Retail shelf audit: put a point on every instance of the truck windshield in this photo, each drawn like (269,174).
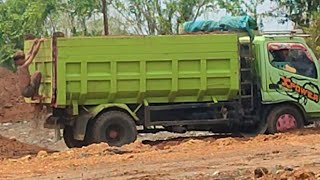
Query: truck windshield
(292,57)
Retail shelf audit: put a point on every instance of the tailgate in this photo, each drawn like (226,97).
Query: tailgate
(43,62)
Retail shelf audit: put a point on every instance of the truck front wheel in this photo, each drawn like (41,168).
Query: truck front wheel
(284,118)
(115,128)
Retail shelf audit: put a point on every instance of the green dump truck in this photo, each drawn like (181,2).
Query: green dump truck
(109,89)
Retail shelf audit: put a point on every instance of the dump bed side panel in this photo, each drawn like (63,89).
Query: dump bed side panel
(160,69)
(42,63)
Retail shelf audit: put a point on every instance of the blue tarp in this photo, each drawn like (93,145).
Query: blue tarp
(234,23)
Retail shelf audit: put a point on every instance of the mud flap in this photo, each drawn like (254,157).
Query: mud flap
(57,134)
(80,127)
(52,122)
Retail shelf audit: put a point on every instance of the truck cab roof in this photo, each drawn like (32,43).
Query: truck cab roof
(264,38)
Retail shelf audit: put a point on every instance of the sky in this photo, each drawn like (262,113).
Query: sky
(269,23)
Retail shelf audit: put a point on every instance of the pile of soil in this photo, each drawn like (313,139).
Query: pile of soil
(12,105)
(12,149)
(295,174)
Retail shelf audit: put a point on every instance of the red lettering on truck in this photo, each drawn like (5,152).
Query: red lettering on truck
(287,83)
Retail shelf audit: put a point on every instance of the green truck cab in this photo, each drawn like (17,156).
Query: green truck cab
(109,89)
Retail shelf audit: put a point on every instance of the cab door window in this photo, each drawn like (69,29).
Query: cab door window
(292,57)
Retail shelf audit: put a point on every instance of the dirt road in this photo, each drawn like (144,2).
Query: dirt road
(293,154)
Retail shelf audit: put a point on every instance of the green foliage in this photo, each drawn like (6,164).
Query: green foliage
(79,11)
(158,16)
(40,18)
(247,7)
(301,11)
(314,31)
(6,60)
(17,18)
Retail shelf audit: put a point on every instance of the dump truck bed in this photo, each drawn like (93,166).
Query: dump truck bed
(129,70)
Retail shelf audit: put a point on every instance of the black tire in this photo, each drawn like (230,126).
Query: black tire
(277,112)
(69,140)
(119,123)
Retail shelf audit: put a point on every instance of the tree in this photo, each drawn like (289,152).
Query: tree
(17,18)
(314,31)
(301,11)
(105,17)
(20,17)
(158,16)
(78,12)
(115,26)
(250,7)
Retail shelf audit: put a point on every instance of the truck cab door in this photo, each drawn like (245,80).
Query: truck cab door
(292,75)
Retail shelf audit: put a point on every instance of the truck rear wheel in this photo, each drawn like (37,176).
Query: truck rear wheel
(284,118)
(115,128)
(69,140)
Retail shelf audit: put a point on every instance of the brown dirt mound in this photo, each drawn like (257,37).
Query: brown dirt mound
(12,106)
(11,148)
(289,174)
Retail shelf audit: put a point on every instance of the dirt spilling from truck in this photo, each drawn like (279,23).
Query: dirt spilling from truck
(12,106)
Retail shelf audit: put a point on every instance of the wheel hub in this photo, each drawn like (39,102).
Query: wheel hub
(113,134)
(286,122)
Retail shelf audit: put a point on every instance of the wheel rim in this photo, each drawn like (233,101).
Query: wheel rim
(286,122)
(114,133)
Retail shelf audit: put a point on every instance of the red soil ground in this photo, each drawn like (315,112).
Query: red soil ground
(12,106)
(11,148)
